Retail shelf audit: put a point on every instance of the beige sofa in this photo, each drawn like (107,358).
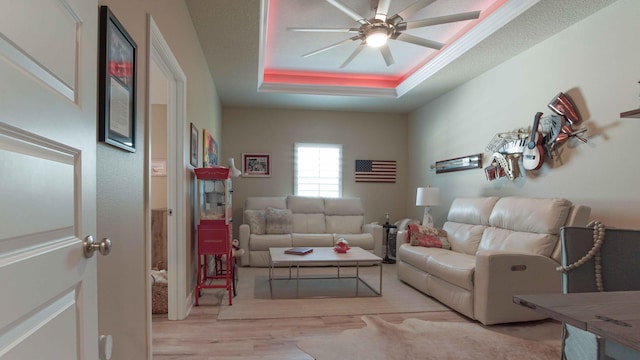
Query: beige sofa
(298,221)
(500,247)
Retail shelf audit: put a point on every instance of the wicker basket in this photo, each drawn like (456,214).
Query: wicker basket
(159,299)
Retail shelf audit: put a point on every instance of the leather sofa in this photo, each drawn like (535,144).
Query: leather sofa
(500,247)
(298,221)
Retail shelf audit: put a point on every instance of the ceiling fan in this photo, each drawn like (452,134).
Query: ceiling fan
(376,31)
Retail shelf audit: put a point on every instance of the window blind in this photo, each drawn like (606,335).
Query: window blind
(318,170)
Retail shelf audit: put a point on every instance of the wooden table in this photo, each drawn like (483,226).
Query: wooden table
(612,315)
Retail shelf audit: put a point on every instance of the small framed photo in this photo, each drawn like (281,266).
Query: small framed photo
(116,84)
(256,165)
(193,146)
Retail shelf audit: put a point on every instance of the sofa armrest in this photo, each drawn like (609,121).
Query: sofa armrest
(244,234)
(401,238)
(376,231)
(499,275)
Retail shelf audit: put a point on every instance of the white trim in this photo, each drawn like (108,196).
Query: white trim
(161,54)
(326,89)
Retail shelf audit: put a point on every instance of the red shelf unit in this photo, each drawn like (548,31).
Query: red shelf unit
(215,231)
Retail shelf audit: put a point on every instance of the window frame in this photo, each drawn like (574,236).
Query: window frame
(337,147)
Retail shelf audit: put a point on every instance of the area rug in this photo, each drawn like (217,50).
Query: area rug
(419,339)
(254,301)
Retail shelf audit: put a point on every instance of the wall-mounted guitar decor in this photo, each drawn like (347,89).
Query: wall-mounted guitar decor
(546,135)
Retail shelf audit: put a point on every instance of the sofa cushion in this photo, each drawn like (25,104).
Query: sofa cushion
(344,224)
(256,220)
(305,204)
(534,215)
(474,211)
(464,238)
(312,240)
(452,267)
(309,223)
(262,203)
(264,242)
(364,240)
(427,236)
(343,206)
(518,241)
(417,256)
(279,221)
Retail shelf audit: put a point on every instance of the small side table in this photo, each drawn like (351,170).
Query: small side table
(387,227)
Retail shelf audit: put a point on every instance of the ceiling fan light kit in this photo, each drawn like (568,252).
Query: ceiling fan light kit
(377,37)
(376,31)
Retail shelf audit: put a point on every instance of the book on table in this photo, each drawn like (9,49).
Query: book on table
(298,250)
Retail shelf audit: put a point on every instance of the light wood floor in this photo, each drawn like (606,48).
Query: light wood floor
(201,336)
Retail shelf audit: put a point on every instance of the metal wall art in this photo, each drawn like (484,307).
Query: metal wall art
(529,149)
(459,163)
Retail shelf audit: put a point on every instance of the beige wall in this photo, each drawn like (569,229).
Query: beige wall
(122,202)
(365,136)
(596,62)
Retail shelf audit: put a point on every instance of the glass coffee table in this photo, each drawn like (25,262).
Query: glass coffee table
(322,256)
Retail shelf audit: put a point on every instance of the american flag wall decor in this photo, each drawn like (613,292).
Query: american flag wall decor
(383,171)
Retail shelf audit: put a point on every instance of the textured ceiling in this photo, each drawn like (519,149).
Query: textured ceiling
(230,33)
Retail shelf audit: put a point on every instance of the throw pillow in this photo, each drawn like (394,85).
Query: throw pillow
(427,236)
(256,220)
(279,221)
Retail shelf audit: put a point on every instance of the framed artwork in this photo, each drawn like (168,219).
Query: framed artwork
(116,84)
(193,146)
(256,165)
(210,150)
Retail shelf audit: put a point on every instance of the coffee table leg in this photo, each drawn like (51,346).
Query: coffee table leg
(380,280)
(271,279)
(357,277)
(297,280)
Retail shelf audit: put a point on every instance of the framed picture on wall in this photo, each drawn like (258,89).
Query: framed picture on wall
(116,84)
(210,149)
(256,165)
(193,146)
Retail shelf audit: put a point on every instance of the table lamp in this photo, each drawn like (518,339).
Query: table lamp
(427,197)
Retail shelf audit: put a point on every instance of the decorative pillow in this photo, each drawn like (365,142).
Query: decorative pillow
(256,220)
(279,221)
(427,236)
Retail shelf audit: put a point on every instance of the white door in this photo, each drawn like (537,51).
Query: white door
(48,301)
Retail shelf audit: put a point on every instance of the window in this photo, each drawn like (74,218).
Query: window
(318,170)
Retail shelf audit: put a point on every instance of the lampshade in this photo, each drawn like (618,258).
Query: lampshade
(234,170)
(428,196)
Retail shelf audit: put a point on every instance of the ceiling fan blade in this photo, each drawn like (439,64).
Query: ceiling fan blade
(386,54)
(441,20)
(382,10)
(332,30)
(348,11)
(330,46)
(353,55)
(410,10)
(419,41)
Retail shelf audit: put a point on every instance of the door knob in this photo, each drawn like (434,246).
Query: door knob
(90,246)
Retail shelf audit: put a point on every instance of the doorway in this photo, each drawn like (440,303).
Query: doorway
(168,80)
